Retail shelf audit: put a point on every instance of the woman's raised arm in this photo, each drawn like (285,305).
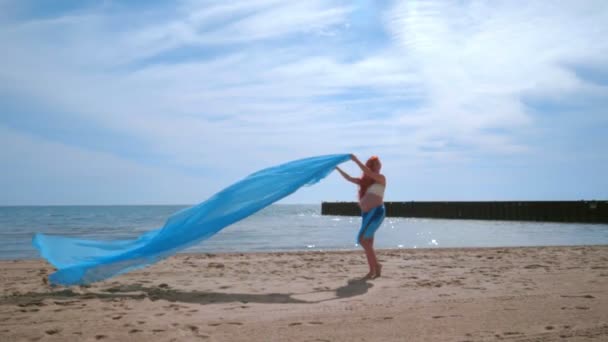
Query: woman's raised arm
(348,177)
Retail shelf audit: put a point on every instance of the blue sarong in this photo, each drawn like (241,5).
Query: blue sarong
(81,261)
(370,222)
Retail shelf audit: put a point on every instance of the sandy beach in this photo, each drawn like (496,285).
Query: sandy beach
(475,294)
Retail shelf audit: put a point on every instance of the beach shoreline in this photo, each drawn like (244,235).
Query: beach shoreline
(426,294)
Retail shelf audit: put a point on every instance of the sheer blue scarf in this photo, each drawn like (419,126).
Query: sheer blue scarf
(81,261)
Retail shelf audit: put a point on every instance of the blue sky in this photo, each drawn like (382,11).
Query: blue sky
(153,102)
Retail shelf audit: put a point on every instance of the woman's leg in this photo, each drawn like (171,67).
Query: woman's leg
(371,222)
(378,266)
(373,259)
(367,245)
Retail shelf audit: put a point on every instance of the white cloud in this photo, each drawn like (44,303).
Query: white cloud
(446,88)
(38,171)
(477,59)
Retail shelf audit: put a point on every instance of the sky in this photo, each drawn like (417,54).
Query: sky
(168,102)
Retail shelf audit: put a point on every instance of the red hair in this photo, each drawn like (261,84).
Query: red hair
(366,181)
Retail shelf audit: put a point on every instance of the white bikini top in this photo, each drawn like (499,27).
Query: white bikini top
(376,189)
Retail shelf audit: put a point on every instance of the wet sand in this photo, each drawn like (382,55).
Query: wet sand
(473,294)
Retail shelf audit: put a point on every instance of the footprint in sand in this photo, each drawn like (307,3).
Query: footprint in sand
(100,337)
(133,331)
(31,303)
(52,331)
(294,324)
(534,266)
(584,296)
(315,322)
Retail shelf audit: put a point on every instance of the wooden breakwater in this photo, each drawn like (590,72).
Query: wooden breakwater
(554,211)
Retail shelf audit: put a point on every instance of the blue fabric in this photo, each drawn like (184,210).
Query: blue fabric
(81,261)
(370,222)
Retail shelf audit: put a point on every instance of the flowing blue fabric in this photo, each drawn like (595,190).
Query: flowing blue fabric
(81,261)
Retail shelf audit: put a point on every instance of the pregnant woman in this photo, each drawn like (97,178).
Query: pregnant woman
(371,201)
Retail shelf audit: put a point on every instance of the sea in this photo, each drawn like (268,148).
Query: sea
(282,227)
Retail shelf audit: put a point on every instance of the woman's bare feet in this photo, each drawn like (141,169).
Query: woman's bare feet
(369,275)
(378,272)
(373,274)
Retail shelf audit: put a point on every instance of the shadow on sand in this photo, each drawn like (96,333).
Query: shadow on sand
(354,287)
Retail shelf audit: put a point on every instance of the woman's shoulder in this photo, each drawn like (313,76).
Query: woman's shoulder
(382,178)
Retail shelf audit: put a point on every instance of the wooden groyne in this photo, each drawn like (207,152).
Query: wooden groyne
(554,211)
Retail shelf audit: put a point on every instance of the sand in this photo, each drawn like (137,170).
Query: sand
(476,294)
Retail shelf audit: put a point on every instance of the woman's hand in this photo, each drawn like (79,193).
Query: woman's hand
(367,171)
(357,161)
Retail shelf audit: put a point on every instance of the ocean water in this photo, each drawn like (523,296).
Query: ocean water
(283,228)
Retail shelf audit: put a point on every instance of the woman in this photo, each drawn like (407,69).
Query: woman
(371,201)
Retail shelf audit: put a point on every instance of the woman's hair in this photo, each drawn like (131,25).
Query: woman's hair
(367,181)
